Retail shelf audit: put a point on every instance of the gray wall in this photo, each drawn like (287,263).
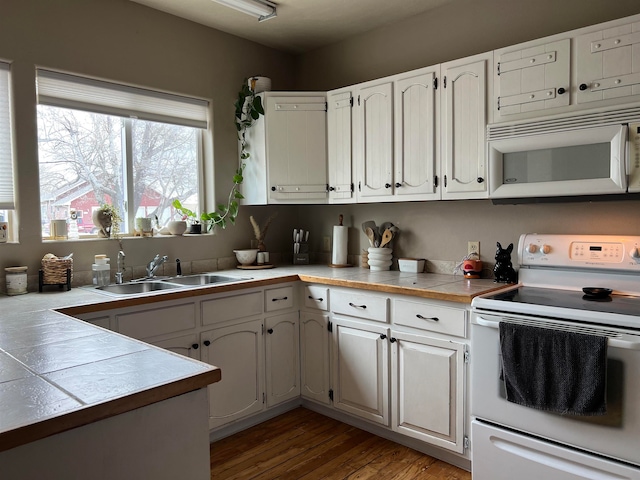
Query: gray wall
(127,42)
(440,230)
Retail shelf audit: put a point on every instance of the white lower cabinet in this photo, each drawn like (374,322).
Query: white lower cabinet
(427,389)
(238,351)
(361,369)
(314,356)
(282,358)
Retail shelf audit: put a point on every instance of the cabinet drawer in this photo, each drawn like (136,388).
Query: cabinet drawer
(157,321)
(316,297)
(355,304)
(278,298)
(229,308)
(435,318)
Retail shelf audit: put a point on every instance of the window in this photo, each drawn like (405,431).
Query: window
(7,202)
(107,143)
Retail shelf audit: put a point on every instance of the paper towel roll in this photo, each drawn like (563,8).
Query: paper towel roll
(339,254)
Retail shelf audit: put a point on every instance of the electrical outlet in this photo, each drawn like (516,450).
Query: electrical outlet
(326,244)
(473,247)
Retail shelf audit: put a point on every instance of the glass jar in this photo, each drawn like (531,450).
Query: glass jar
(101,274)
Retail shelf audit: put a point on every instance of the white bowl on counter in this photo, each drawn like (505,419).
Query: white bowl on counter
(246,257)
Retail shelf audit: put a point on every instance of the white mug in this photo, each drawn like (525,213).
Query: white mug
(4,232)
(58,229)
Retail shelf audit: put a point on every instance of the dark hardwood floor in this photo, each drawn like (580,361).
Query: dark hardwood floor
(302,444)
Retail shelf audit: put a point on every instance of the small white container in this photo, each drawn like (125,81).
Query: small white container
(16,278)
(411,265)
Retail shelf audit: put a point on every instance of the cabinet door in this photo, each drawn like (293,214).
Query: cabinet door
(532,79)
(296,149)
(374,142)
(428,389)
(314,356)
(283,362)
(186,345)
(238,352)
(416,162)
(608,65)
(339,144)
(361,370)
(464,119)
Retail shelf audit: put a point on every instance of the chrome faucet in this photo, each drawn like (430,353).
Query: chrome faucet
(155,264)
(120,271)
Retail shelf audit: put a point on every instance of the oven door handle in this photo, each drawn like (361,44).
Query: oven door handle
(629,342)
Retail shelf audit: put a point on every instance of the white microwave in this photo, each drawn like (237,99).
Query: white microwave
(565,157)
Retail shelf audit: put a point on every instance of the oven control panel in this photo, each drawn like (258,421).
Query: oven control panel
(610,252)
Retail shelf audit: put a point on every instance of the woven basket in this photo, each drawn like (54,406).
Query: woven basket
(55,270)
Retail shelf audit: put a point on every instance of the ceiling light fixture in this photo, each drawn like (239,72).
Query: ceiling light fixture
(263,9)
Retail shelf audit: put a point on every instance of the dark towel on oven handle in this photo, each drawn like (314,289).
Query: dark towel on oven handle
(554,370)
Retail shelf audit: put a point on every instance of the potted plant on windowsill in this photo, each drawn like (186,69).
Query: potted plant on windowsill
(107,219)
(225,212)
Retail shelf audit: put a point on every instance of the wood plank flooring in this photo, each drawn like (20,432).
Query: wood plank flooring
(302,444)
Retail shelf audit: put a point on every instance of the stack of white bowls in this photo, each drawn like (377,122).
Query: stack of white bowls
(380,258)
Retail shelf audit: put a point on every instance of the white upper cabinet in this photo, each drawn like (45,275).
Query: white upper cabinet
(608,65)
(288,148)
(531,79)
(374,141)
(416,133)
(339,146)
(593,68)
(464,120)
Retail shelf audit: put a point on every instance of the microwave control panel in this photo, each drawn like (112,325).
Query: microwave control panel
(634,157)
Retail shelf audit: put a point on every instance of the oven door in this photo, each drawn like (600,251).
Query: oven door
(614,435)
(586,161)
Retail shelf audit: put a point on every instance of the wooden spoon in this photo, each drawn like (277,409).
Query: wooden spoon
(386,237)
(370,235)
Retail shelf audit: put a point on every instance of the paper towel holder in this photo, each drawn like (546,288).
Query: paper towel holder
(339,265)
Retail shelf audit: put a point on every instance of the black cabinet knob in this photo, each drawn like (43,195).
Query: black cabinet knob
(195,346)
(207,343)
(387,185)
(332,189)
(270,331)
(273,189)
(561,90)
(583,86)
(392,340)
(398,184)
(480,179)
(382,336)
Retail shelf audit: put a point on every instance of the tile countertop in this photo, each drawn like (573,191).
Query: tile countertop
(58,373)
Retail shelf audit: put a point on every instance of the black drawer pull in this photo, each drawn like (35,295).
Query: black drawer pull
(435,319)
(278,299)
(318,299)
(393,340)
(357,306)
(270,331)
(382,336)
(195,346)
(207,343)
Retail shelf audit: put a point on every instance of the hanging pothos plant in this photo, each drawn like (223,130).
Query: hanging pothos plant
(248,109)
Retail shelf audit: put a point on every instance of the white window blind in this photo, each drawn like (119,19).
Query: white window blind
(81,93)
(6,157)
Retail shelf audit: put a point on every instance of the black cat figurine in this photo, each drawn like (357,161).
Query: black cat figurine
(503,271)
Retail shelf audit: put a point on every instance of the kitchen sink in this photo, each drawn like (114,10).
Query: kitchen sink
(203,279)
(137,287)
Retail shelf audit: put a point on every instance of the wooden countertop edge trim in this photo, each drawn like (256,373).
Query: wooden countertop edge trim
(93,413)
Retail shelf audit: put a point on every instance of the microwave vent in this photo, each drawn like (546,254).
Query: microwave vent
(574,122)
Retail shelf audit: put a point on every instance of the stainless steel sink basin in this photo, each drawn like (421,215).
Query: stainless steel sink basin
(203,279)
(137,287)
